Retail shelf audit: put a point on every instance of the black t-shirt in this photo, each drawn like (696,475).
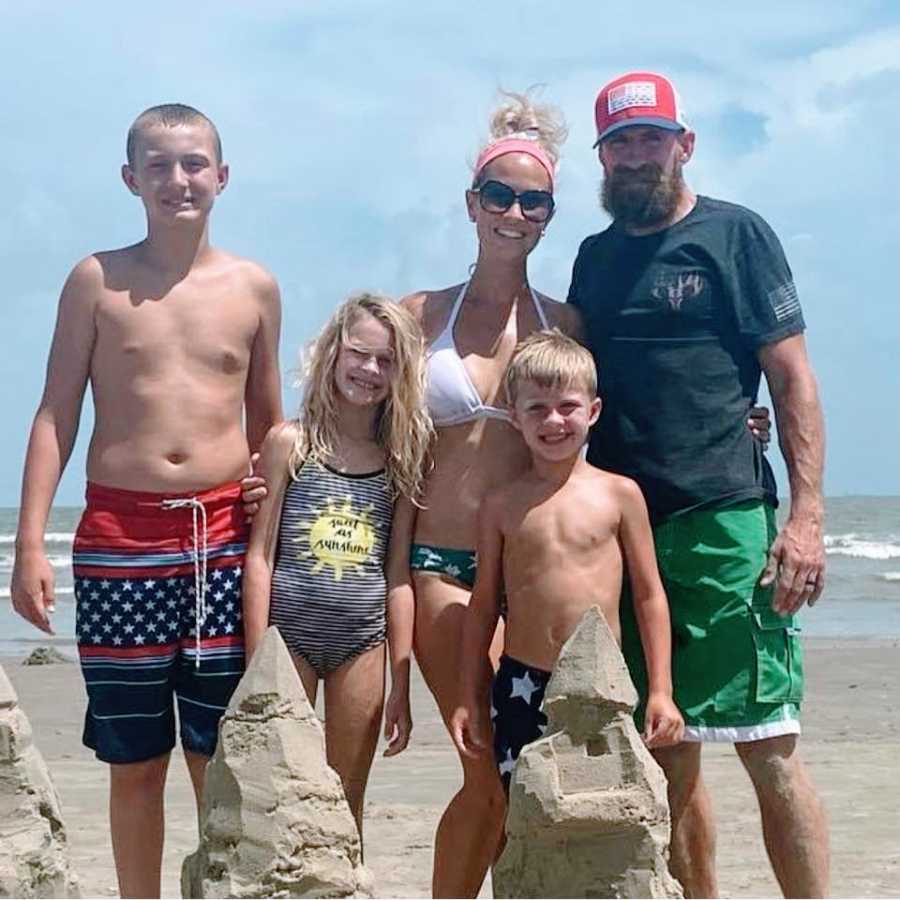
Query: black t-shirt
(674,320)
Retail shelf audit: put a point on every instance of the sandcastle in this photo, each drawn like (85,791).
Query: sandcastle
(34,856)
(274,821)
(588,814)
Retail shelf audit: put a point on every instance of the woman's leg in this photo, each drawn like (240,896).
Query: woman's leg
(470,830)
(354,698)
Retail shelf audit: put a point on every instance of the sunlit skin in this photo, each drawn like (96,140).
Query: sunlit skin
(177,339)
(498,312)
(794,823)
(553,541)
(469,459)
(365,363)
(354,692)
(639,144)
(176,174)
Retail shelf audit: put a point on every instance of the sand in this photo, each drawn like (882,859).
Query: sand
(851,741)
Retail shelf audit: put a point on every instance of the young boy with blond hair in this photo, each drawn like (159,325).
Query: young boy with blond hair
(556,541)
(177,340)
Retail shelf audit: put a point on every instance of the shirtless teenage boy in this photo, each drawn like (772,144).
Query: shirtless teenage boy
(176,339)
(555,541)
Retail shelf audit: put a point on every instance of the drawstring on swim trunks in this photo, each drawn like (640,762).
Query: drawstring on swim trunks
(200,558)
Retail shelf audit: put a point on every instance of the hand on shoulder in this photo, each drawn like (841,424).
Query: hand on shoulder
(563,316)
(274,453)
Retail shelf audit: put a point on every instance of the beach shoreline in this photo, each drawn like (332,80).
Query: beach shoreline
(851,742)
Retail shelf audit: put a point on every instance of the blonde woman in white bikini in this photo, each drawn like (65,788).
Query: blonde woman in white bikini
(472,329)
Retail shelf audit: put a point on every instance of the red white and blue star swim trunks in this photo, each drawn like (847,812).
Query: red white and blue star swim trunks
(158,614)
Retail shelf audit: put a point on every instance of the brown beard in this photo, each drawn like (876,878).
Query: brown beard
(642,197)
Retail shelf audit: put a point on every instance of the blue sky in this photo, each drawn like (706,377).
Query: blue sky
(350,128)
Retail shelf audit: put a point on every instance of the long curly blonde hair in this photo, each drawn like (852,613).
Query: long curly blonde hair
(404,430)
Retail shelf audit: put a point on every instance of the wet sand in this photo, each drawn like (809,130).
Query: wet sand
(851,741)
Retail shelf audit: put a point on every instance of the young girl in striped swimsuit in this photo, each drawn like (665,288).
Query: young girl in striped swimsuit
(328,559)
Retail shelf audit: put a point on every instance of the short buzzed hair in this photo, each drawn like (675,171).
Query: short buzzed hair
(551,359)
(170,115)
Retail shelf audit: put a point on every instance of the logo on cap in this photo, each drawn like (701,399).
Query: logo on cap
(632,93)
(638,98)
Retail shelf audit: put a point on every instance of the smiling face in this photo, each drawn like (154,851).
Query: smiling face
(509,234)
(642,164)
(555,420)
(365,362)
(176,172)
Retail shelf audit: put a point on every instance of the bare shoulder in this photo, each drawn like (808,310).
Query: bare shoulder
(279,442)
(89,272)
(624,490)
(431,309)
(563,316)
(282,435)
(87,281)
(255,277)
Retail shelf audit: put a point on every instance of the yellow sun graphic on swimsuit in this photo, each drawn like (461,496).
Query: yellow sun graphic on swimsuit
(339,537)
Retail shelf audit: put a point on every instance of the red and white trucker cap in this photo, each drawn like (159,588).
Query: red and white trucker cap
(638,98)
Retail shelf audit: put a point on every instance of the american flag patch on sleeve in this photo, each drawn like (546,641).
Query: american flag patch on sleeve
(784,300)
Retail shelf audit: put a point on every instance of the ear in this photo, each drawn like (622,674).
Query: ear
(596,407)
(222,177)
(686,141)
(514,419)
(471,204)
(128,178)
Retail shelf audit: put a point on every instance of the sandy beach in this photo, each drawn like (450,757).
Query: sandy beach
(851,740)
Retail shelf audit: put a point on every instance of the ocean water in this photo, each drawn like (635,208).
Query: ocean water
(861,599)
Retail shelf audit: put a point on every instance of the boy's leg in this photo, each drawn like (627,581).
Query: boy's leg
(794,822)
(354,698)
(136,824)
(692,849)
(196,765)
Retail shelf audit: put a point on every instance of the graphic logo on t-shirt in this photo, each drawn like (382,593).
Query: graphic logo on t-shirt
(339,537)
(674,289)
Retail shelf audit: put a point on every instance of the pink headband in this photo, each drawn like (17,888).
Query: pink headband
(515,145)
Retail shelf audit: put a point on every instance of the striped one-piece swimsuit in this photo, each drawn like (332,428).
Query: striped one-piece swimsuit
(329,586)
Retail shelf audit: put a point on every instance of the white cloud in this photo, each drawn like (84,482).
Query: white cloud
(350,126)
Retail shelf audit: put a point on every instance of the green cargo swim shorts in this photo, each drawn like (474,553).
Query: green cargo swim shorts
(737,665)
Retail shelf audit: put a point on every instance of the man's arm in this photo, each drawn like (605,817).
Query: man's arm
(663,722)
(468,727)
(567,318)
(263,392)
(52,438)
(797,556)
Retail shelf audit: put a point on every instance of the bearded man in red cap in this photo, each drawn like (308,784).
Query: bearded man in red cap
(686,302)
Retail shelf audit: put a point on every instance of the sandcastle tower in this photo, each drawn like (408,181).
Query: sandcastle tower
(588,814)
(34,855)
(274,820)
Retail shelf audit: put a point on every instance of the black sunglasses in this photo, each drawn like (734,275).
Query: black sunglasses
(497,197)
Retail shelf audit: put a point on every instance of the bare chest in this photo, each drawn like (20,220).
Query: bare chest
(209,330)
(577,527)
(486,346)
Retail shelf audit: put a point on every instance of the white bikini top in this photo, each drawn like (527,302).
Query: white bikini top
(451,397)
